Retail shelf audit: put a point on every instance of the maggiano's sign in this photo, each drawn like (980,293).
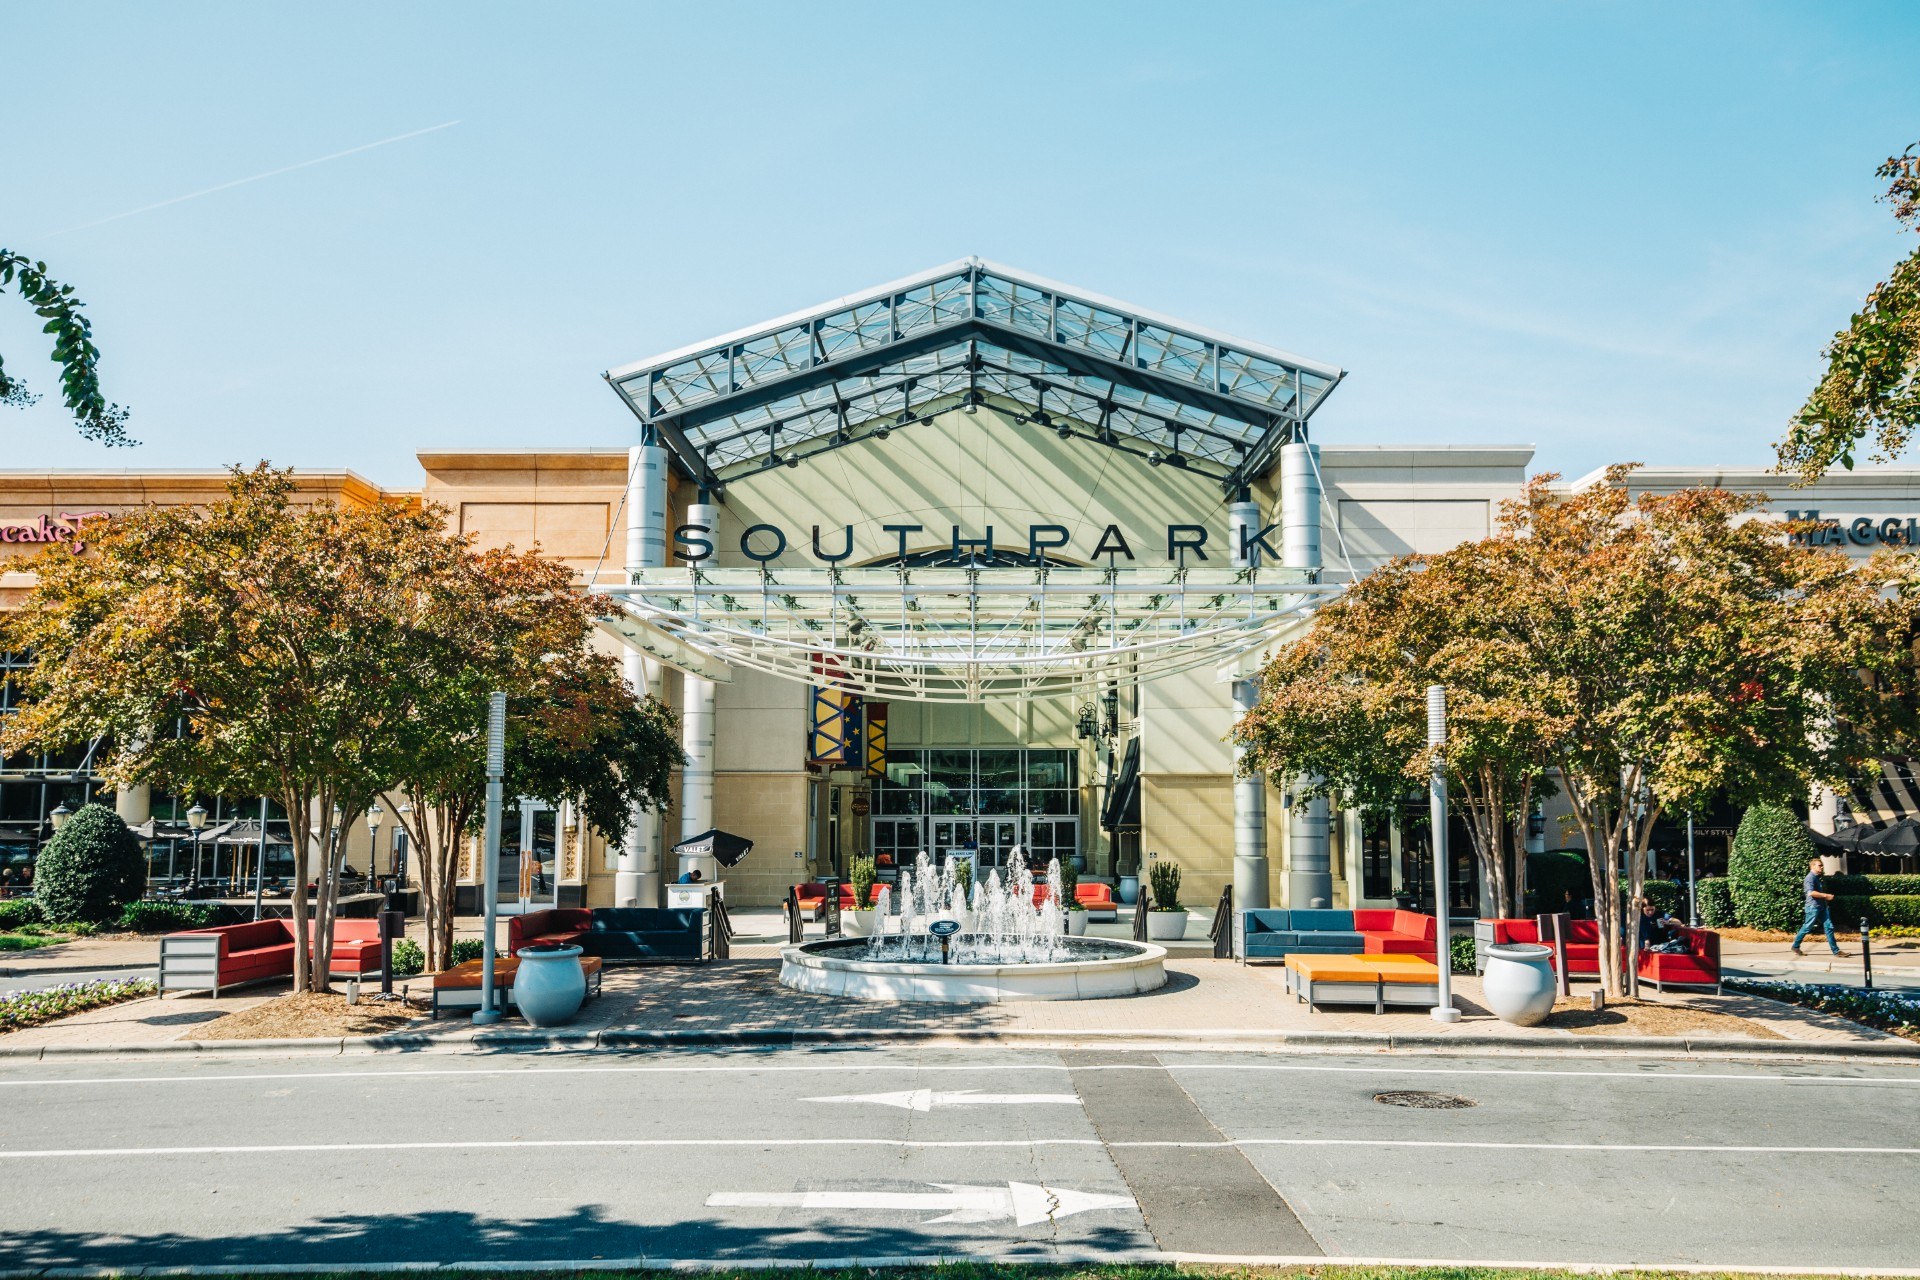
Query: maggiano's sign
(764,543)
(66,527)
(1861,531)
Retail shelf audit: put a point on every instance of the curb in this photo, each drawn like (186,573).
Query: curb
(616,1039)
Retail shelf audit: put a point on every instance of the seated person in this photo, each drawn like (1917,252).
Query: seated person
(691,877)
(1657,932)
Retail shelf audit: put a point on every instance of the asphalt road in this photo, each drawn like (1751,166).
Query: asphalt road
(870,1153)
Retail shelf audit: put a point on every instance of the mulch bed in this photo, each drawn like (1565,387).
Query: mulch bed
(305,1015)
(1651,1018)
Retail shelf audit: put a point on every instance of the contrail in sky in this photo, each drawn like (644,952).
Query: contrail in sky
(241,182)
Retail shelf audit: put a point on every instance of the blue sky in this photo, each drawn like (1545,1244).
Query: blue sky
(1617,232)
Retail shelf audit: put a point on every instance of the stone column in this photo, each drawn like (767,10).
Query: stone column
(134,804)
(1309,872)
(636,880)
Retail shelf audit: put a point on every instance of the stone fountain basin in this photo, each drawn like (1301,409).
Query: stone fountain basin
(835,968)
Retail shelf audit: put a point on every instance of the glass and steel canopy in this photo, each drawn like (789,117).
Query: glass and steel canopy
(959,634)
(972,333)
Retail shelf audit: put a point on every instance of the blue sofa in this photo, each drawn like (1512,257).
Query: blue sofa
(1272,934)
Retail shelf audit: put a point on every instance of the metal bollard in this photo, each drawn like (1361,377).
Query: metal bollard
(1866,952)
(393,924)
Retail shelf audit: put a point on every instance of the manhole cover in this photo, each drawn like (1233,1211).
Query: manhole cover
(1424,1100)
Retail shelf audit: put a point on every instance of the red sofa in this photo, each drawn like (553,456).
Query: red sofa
(562,925)
(1582,938)
(1097,898)
(813,898)
(1395,932)
(261,949)
(1699,967)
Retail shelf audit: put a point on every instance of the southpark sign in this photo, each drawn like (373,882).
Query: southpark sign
(66,527)
(764,543)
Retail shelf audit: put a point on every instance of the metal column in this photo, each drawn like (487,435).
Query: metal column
(636,881)
(697,734)
(1309,867)
(1250,866)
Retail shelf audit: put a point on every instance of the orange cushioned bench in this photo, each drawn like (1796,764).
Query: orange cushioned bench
(1379,980)
(459,987)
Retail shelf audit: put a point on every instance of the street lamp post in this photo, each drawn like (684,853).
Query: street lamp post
(490,870)
(1693,900)
(1443,1010)
(58,818)
(375,814)
(196,819)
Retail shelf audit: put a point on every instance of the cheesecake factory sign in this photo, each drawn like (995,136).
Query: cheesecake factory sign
(66,527)
(764,543)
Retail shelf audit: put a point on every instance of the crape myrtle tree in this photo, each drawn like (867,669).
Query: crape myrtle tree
(258,646)
(1649,653)
(1872,384)
(575,729)
(1344,710)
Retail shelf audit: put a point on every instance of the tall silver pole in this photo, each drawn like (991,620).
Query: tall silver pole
(1693,903)
(260,861)
(490,870)
(1437,801)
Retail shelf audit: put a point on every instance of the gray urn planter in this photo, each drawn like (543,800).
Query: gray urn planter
(1518,983)
(1128,890)
(549,986)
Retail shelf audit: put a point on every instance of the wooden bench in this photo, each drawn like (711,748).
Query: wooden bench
(459,987)
(1379,980)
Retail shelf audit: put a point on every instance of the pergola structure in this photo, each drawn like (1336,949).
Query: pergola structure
(962,336)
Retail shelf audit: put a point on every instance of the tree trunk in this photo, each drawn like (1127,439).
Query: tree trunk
(296,804)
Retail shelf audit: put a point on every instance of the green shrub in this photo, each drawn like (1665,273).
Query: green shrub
(166,917)
(1768,867)
(1715,895)
(465,949)
(860,872)
(1880,909)
(91,868)
(1460,948)
(1865,886)
(1164,880)
(963,876)
(17,913)
(408,958)
(1557,879)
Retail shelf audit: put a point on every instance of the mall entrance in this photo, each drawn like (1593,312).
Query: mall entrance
(991,801)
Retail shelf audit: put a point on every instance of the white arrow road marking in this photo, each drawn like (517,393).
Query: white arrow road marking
(928,1099)
(1025,1202)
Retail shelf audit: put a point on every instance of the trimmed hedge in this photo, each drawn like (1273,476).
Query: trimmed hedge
(1879,909)
(1460,949)
(1768,867)
(408,958)
(15,912)
(166,917)
(465,949)
(91,868)
(1866,886)
(1669,897)
(1715,895)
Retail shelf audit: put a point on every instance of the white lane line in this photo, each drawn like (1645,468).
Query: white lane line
(530,1144)
(894,1067)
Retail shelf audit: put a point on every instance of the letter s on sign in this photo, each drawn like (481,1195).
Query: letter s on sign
(690,544)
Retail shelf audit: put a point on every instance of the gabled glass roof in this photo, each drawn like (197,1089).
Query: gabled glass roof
(967,334)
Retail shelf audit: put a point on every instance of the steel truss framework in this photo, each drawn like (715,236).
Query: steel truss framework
(967,334)
(957,634)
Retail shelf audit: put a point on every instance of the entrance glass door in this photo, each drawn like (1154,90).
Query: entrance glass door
(528,879)
(1049,838)
(997,837)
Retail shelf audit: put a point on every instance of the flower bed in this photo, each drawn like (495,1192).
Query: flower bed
(1897,1012)
(30,1008)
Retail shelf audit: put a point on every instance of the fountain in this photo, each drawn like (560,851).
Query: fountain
(933,942)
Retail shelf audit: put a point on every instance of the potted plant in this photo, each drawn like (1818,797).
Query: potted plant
(858,923)
(1064,893)
(1167,922)
(1127,883)
(963,880)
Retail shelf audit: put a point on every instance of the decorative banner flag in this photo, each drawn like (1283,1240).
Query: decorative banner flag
(876,724)
(833,728)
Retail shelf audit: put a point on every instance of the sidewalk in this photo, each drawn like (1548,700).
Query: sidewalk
(1204,1002)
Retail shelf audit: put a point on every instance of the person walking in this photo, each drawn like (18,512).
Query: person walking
(1819,914)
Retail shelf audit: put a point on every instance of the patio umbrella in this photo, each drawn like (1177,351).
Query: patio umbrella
(723,848)
(1901,838)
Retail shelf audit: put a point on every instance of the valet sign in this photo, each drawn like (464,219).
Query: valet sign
(764,543)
